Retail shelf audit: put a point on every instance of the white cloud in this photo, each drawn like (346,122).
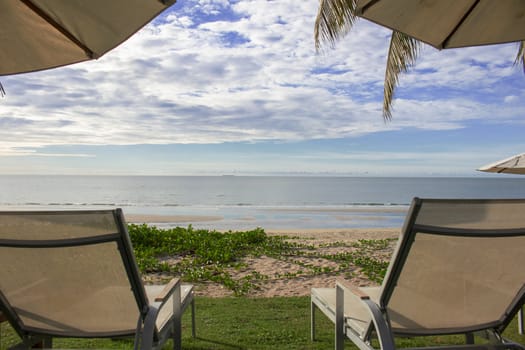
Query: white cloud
(215,71)
(511,99)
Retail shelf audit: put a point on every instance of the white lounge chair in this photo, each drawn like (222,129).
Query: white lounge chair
(459,268)
(74,274)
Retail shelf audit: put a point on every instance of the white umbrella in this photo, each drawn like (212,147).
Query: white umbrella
(512,165)
(42,34)
(450,23)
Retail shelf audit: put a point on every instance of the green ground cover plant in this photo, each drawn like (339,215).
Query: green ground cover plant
(207,255)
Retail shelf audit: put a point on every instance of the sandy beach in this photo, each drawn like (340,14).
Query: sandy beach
(277,285)
(285,277)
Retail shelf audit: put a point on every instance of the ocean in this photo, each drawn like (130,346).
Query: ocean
(246,202)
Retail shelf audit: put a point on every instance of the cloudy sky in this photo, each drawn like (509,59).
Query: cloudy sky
(236,87)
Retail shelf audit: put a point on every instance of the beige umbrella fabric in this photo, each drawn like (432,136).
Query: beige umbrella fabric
(512,165)
(42,34)
(450,23)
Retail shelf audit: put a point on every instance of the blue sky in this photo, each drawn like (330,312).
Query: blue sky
(236,87)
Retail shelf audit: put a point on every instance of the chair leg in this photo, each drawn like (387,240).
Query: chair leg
(177,339)
(469,338)
(42,343)
(177,320)
(521,325)
(339,319)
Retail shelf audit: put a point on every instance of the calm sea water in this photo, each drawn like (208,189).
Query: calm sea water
(243,202)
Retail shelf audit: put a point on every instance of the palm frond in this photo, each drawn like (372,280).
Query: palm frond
(334,20)
(402,54)
(2,91)
(520,57)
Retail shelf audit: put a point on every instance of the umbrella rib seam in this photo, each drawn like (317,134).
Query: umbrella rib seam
(444,44)
(58,27)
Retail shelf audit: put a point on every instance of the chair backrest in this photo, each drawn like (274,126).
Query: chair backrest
(459,267)
(69,273)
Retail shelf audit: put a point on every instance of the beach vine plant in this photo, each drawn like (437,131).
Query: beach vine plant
(198,255)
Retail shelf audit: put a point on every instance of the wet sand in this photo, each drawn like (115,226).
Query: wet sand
(164,219)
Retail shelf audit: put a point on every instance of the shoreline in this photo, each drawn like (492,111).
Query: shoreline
(327,233)
(166,219)
(276,221)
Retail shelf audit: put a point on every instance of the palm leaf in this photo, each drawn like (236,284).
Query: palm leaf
(402,54)
(520,57)
(334,20)
(2,91)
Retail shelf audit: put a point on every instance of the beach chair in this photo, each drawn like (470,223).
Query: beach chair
(458,269)
(74,274)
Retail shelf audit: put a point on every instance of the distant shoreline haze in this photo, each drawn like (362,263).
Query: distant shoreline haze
(244,202)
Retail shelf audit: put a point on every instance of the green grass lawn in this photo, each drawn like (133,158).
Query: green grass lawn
(247,323)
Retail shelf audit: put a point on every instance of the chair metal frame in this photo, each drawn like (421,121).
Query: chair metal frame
(147,336)
(380,325)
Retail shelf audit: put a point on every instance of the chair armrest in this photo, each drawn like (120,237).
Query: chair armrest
(381,323)
(172,291)
(168,290)
(341,283)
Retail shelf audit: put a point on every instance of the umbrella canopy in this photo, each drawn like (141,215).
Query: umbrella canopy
(42,34)
(450,23)
(512,165)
